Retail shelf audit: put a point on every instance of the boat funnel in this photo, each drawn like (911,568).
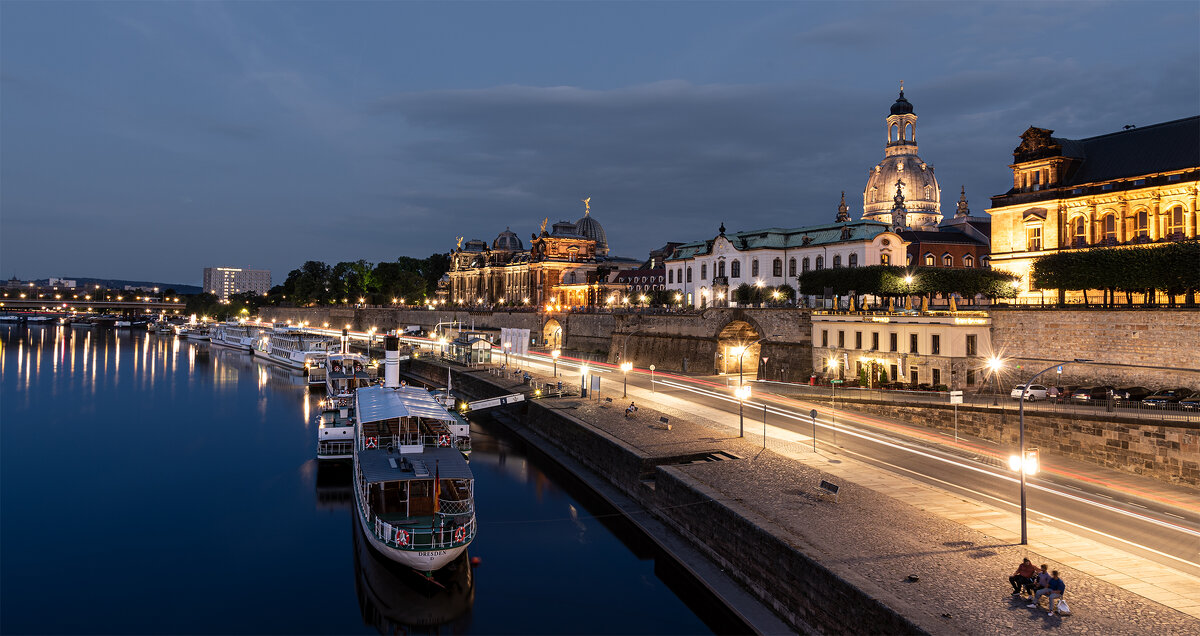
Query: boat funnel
(391,362)
(345,341)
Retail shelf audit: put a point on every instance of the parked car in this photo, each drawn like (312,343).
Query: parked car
(1036,392)
(1190,403)
(1166,397)
(1131,395)
(1090,394)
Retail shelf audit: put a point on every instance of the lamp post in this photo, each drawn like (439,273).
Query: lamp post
(832,364)
(507,346)
(743,394)
(583,375)
(1023,461)
(994,364)
(626,367)
(554,356)
(741,351)
(652,378)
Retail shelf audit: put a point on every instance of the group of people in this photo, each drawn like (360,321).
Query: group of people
(1038,583)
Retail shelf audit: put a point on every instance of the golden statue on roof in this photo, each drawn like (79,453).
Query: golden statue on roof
(587,205)
(543,227)
(460,240)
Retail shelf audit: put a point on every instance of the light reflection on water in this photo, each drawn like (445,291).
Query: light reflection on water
(145,492)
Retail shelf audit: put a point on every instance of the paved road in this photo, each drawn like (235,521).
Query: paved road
(1138,522)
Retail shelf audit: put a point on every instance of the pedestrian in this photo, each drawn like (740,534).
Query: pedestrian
(1023,577)
(1042,583)
(1053,591)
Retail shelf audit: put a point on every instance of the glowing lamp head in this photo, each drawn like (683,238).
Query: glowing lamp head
(737,351)
(626,367)
(743,392)
(554,354)
(908,280)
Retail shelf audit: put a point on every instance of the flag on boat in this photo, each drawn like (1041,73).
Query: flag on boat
(437,488)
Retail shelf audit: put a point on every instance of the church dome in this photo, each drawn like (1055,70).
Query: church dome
(591,228)
(507,241)
(902,107)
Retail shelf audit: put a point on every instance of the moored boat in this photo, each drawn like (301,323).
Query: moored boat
(413,489)
(291,347)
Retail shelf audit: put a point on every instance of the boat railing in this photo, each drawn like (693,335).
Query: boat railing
(339,447)
(455,507)
(446,532)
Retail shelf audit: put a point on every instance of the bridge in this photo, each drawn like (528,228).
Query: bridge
(58,306)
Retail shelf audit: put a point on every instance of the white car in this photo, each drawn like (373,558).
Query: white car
(1036,392)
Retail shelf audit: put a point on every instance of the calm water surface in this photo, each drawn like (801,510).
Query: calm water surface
(154,485)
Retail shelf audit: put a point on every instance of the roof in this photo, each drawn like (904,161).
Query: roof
(378,403)
(445,463)
(927,237)
(781,238)
(1172,145)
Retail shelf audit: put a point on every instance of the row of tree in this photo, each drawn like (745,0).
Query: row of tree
(411,279)
(1172,268)
(887,280)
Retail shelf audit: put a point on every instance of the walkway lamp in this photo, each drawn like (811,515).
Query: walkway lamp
(583,376)
(994,365)
(743,394)
(832,365)
(652,378)
(1026,461)
(626,367)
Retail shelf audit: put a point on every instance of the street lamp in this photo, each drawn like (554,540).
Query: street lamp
(1024,461)
(741,351)
(583,375)
(743,394)
(554,355)
(993,365)
(507,346)
(626,367)
(832,365)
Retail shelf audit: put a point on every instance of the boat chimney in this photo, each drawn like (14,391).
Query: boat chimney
(391,362)
(345,341)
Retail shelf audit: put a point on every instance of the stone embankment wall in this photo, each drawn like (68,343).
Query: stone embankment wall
(1167,452)
(801,590)
(1145,347)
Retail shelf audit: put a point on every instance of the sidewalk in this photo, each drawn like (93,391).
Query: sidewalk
(1144,579)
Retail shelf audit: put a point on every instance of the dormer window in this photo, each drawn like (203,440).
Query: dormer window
(1033,238)
(1106,187)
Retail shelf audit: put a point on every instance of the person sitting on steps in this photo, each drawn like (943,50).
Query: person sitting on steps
(1023,577)
(632,409)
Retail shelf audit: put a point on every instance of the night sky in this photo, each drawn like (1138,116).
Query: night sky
(150,140)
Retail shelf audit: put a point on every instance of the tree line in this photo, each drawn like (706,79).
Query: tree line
(1171,268)
(895,281)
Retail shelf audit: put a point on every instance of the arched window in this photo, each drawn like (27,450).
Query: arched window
(1141,225)
(777,267)
(703,271)
(1079,232)
(1175,222)
(804,264)
(754,268)
(968,261)
(984,261)
(853,260)
(1110,228)
(689,274)
(908,132)
(820,262)
(671,276)
(928,259)
(735,269)
(720,269)
(947,260)
(893,133)
(792,267)
(885,259)
(837,261)
(908,260)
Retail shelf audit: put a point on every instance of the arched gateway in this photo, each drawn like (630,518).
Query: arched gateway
(738,347)
(553,335)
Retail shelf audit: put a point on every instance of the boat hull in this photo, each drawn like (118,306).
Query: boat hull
(419,560)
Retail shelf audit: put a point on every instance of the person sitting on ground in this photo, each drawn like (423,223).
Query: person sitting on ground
(1023,577)
(632,409)
(1042,583)
(1055,591)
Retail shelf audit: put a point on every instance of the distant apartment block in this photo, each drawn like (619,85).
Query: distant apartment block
(224,282)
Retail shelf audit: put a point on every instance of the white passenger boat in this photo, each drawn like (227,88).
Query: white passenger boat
(196,332)
(413,490)
(344,373)
(234,335)
(291,347)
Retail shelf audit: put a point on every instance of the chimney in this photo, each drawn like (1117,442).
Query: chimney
(391,362)
(345,341)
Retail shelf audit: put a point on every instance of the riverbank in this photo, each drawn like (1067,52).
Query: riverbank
(841,566)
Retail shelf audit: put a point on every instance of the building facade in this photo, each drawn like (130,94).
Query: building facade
(224,282)
(1134,187)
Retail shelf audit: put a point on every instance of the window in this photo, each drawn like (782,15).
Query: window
(935,345)
(1110,228)
(947,260)
(792,267)
(892,375)
(875,341)
(885,259)
(854,260)
(912,343)
(912,372)
(721,269)
(671,276)
(1175,220)
(895,346)
(837,261)
(970,377)
(908,260)
(703,271)
(968,261)
(971,345)
(841,339)
(937,377)
(804,264)
(825,338)
(820,262)
(754,267)
(1079,232)
(735,269)
(1033,238)
(858,340)
(689,274)
(1141,227)
(777,268)
(928,259)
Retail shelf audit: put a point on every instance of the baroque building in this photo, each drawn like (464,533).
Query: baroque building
(904,173)
(1133,187)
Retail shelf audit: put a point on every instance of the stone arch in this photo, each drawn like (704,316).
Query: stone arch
(739,332)
(553,333)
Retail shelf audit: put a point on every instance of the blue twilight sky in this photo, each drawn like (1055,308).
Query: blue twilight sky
(148,140)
